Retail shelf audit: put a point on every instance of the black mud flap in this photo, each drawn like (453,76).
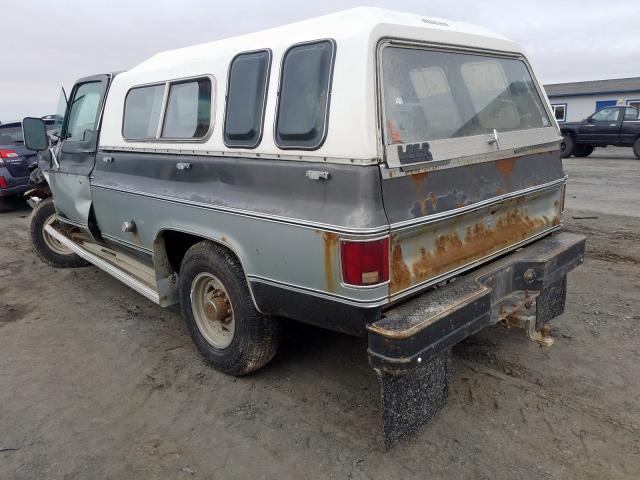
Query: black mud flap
(409,401)
(410,347)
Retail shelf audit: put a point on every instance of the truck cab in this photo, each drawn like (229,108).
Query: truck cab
(377,173)
(614,125)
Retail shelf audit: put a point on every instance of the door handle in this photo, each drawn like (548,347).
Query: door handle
(107,159)
(183,166)
(613,124)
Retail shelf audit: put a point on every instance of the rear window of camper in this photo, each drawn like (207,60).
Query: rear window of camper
(433,95)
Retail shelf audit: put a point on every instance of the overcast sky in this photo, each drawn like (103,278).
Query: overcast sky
(47,44)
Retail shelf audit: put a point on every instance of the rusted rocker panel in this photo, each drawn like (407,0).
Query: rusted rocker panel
(410,346)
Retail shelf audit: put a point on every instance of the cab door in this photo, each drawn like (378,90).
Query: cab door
(76,151)
(603,126)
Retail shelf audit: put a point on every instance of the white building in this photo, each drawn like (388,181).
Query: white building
(575,101)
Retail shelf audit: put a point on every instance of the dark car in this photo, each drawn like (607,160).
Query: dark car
(16,159)
(619,126)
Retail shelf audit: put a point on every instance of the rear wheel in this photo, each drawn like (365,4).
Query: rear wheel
(46,246)
(567,146)
(582,151)
(223,322)
(636,148)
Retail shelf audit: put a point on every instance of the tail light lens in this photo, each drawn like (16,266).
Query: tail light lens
(365,263)
(3,182)
(8,153)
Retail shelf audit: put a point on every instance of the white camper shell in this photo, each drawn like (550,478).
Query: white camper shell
(355,125)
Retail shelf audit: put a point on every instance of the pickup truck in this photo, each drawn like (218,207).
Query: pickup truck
(378,173)
(618,126)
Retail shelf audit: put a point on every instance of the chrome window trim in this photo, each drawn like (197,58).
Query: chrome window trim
(159,138)
(264,98)
(327,107)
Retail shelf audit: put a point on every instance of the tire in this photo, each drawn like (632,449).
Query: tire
(45,246)
(217,306)
(567,146)
(636,148)
(582,151)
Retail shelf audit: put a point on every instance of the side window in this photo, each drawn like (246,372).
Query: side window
(83,111)
(188,111)
(142,109)
(303,105)
(631,114)
(607,115)
(246,99)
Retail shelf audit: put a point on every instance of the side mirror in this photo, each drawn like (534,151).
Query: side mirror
(35,136)
(590,120)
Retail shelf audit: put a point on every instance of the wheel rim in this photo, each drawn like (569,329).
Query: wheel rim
(53,244)
(212,310)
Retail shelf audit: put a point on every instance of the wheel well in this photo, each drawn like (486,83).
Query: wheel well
(173,246)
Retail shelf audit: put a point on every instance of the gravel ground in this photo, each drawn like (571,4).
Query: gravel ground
(97,382)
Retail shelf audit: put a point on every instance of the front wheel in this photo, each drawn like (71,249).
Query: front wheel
(567,146)
(47,247)
(582,151)
(636,148)
(217,306)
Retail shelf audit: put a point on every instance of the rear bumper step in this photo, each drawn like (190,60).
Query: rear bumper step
(418,330)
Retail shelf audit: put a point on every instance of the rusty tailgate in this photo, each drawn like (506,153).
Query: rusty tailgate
(448,220)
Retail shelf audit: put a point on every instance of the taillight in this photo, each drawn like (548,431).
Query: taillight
(8,153)
(3,182)
(365,263)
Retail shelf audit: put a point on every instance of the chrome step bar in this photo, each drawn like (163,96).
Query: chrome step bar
(125,277)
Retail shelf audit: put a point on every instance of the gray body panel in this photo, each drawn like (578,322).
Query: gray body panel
(283,226)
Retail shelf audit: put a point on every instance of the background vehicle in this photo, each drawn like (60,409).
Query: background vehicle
(325,174)
(617,126)
(16,160)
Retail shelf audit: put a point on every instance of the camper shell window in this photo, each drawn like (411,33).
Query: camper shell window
(188,111)
(303,104)
(438,95)
(246,99)
(142,109)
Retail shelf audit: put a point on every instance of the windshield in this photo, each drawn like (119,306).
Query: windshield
(11,134)
(432,95)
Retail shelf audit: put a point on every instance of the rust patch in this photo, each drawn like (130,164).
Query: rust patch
(506,166)
(418,178)
(400,274)
(433,200)
(330,241)
(418,181)
(451,252)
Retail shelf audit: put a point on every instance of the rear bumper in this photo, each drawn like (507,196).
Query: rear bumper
(416,331)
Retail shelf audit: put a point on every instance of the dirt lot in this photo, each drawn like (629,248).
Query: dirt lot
(97,382)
